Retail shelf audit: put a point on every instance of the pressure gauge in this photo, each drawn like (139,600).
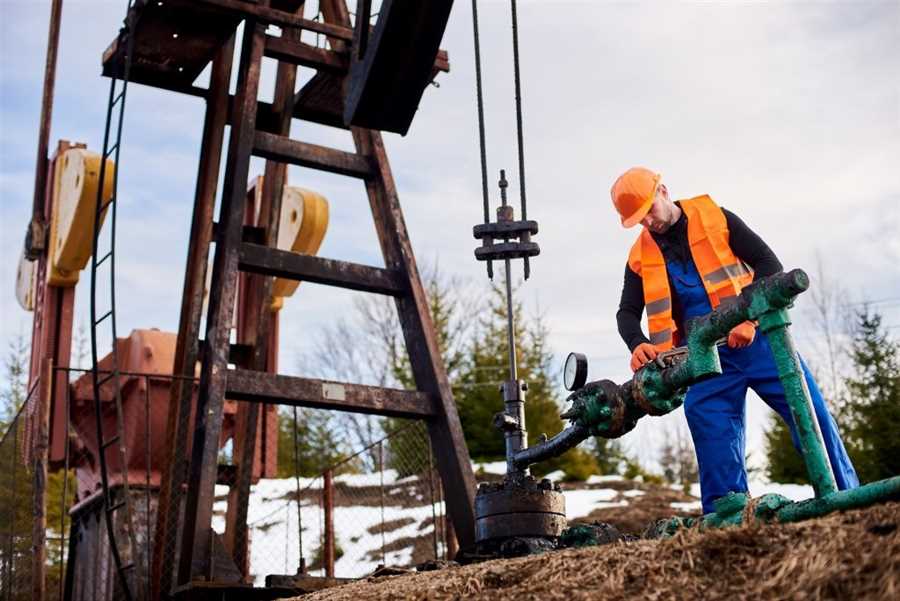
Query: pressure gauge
(575,371)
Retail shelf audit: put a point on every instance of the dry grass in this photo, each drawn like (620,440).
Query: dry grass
(851,555)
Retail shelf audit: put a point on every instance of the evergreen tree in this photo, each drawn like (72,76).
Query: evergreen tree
(318,447)
(874,408)
(784,463)
(15,385)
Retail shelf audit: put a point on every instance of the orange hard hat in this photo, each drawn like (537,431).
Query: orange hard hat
(633,193)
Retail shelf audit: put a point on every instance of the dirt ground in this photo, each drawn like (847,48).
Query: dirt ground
(850,555)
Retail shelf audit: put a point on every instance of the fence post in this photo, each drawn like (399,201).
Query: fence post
(434,520)
(38,453)
(328,551)
(381,469)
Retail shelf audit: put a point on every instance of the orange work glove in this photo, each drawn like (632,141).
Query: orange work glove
(641,354)
(742,335)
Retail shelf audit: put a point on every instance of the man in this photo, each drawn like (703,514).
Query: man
(690,256)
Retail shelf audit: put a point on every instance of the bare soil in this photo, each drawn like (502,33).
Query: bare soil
(849,555)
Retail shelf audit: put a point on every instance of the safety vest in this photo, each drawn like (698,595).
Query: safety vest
(723,274)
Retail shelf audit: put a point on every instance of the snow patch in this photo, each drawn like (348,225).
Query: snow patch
(686,506)
(580,503)
(595,479)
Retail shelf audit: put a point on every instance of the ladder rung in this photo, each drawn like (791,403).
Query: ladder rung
(106,204)
(264,260)
(104,258)
(105,316)
(277,389)
(110,152)
(305,55)
(119,97)
(285,150)
(118,505)
(129,566)
(108,443)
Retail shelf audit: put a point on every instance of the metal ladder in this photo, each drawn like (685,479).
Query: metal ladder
(112,138)
(234,252)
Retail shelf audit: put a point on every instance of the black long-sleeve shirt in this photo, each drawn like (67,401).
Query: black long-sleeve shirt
(673,243)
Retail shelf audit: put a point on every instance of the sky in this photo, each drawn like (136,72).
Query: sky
(786,113)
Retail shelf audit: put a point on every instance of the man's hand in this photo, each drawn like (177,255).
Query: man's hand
(641,354)
(741,335)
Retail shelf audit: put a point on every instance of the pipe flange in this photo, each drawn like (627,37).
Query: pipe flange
(522,507)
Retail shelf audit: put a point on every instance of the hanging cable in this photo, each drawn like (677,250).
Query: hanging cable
(481,136)
(519,134)
(515,31)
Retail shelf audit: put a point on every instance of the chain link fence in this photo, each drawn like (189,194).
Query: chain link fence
(382,505)
(16,507)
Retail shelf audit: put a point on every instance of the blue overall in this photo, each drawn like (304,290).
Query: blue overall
(715,408)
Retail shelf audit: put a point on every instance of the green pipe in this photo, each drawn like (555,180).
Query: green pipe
(774,325)
(868,494)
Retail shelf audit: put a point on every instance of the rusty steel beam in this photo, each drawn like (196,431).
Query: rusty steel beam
(257,327)
(281,263)
(196,543)
(36,240)
(245,384)
(264,14)
(187,347)
(305,55)
(282,149)
(445,429)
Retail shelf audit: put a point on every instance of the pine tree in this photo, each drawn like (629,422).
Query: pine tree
(15,385)
(785,464)
(874,408)
(318,447)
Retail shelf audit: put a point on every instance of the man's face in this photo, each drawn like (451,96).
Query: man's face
(659,218)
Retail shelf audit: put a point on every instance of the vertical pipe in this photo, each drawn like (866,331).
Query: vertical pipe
(174,465)
(381,471)
(64,561)
(328,553)
(797,395)
(147,522)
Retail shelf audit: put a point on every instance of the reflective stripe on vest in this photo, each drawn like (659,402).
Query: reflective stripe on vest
(723,274)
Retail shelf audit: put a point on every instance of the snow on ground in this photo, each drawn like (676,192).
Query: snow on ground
(595,479)
(580,503)
(497,468)
(794,492)
(272,516)
(686,506)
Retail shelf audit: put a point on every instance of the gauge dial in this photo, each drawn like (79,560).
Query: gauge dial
(575,371)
